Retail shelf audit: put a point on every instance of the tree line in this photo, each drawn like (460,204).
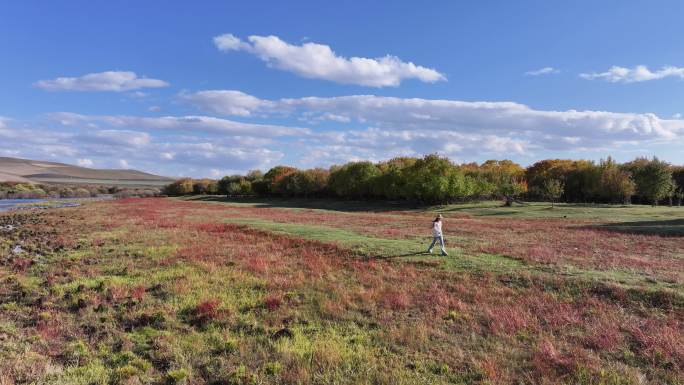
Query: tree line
(435,179)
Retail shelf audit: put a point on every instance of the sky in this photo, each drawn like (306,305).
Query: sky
(212,88)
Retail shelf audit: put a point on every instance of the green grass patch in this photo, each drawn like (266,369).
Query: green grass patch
(413,250)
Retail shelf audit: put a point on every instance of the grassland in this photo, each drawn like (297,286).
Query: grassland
(208,291)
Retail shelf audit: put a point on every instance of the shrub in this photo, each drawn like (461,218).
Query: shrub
(273,368)
(177,376)
(180,187)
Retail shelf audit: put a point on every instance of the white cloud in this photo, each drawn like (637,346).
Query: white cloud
(116,81)
(117,137)
(192,124)
(503,119)
(229,42)
(138,95)
(542,71)
(639,73)
(335,118)
(85,162)
(123,163)
(319,61)
(228,102)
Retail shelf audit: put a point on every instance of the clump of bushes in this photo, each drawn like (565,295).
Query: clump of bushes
(14,190)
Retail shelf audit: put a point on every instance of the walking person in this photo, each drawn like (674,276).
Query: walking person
(437,235)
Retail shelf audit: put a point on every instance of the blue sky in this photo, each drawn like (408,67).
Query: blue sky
(207,89)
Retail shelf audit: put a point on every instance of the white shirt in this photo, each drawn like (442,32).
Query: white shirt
(437,229)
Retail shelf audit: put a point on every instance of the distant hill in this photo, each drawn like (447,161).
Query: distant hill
(35,171)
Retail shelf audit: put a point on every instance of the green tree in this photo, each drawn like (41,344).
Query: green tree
(314,181)
(582,181)
(553,190)
(512,190)
(432,179)
(225,182)
(392,181)
(241,186)
(258,185)
(653,179)
(678,178)
(499,178)
(353,180)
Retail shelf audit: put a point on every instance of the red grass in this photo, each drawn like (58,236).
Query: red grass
(138,292)
(550,362)
(20,264)
(660,340)
(273,302)
(508,320)
(394,299)
(48,330)
(257,264)
(207,309)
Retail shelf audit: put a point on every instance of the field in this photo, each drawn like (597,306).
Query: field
(207,291)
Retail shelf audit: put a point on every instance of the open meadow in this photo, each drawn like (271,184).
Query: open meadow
(210,291)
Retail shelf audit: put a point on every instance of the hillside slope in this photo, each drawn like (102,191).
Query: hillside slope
(23,170)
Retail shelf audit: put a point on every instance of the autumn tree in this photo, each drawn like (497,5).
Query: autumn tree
(182,186)
(273,177)
(204,186)
(304,182)
(540,172)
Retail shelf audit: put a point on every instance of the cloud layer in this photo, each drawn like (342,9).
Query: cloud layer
(319,61)
(116,81)
(639,73)
(505,119)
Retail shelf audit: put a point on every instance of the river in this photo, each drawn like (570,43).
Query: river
(14,204)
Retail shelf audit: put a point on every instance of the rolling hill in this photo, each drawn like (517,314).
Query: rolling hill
(34,171)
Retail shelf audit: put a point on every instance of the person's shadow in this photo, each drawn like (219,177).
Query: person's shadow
(400,255)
